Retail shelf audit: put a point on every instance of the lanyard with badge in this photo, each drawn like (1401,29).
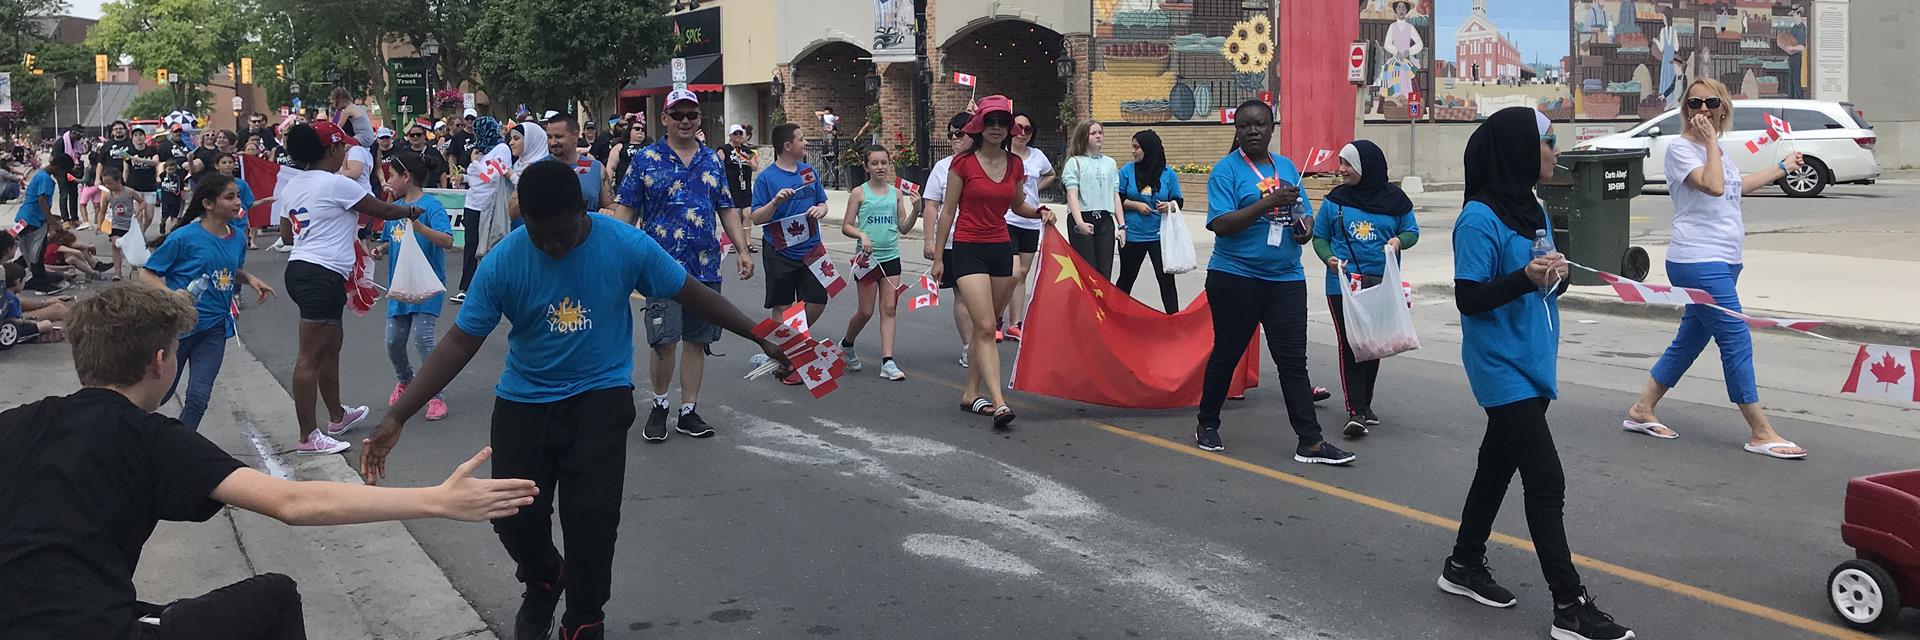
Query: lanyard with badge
(1280,219)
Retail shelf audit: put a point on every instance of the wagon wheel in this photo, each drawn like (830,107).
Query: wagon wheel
(1864,595)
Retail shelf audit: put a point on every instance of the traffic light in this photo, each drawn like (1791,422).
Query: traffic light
(246,70)
(30,69)
(100,67)
(280,71)
(230,74)
(160,75)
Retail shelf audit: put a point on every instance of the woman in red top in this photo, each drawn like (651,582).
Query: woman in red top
(983,185)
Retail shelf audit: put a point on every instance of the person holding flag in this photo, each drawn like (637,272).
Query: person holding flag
(877,213)
(1705,254)
(789,201)
(676,192)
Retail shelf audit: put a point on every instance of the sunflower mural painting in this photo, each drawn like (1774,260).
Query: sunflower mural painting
(1399,31)
(1158,61)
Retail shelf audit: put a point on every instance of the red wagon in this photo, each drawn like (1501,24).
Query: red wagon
(1882,524)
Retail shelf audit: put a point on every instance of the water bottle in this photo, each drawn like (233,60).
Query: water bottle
(1542,245)
(199,286)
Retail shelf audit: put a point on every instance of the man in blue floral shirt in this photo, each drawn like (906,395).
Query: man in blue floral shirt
(677,192)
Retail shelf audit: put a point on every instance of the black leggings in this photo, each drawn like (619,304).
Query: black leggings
(69,199)
(576,447)
(1356,378)
(1240,305)
(470,258)
(263,607)
(1097,248)
(1518,440)
(1131,254)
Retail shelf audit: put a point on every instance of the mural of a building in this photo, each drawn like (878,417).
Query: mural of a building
(1634,58)
(1158,61)
(1401,32)
(1505,53)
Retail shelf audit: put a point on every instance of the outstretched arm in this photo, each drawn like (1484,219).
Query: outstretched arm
(461,497)
(456,349)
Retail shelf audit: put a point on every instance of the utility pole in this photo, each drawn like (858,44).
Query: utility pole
(922,88)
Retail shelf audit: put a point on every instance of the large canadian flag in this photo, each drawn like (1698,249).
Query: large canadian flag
(264,177)
(1881,371)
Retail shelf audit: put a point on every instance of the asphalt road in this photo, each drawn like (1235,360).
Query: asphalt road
(881,511)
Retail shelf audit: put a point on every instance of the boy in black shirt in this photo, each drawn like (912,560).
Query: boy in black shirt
(84,479)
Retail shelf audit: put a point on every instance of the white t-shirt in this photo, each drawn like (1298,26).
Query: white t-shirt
(1705,228)
(321,206)
(832,121)
(488,177)
(361,155)
(936,194)
(1037,166)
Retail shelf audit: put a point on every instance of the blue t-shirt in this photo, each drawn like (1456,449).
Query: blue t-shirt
(572,318)
(679,204)
(246,195)
(30,211)
(1143,227)
(207,267)
(805,194)
(434,215)
(1234,185)
(10,305)
(589,170)
(1358,238)
(1509,353)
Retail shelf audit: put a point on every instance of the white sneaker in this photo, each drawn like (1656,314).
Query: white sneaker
(281,247)
(318,443)
(348,420)
(963,356)
(852,359)
(891,371)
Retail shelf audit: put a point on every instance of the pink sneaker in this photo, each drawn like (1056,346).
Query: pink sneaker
(398,388)
(348,420)
(318,443)
(436,409)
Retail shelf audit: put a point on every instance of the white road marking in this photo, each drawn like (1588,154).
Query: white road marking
(969,552)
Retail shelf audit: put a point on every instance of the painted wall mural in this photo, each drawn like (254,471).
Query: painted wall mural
(1634,58)
(1402,35)
(1494,54)
(1178,60)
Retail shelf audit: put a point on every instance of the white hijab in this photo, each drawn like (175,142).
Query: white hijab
(533,148)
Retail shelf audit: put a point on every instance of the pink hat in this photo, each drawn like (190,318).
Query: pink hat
(988,105)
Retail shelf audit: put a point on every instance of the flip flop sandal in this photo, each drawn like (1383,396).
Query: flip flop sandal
(1003,417)
(1768,450)
(1647,428)
(980,406)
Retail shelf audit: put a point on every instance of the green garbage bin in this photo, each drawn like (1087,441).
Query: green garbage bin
(1589,200)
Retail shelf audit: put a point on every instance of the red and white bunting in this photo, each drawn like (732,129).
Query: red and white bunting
(965,80)
(864,268)
(924,300)
(926,282)
(1881,371)
(824,271)
(1632,291)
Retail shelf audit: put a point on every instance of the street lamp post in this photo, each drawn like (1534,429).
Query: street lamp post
(430,48)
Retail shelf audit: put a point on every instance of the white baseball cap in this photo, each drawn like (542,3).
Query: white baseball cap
(681,95)
(472,114)
(383,132)
(736,129)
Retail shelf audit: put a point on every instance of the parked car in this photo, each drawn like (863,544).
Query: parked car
(1834,137)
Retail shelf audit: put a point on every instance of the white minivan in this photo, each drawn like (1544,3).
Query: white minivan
(1834,137)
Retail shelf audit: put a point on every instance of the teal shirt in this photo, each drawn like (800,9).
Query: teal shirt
(879,218)
(1145,227)
(1233,186)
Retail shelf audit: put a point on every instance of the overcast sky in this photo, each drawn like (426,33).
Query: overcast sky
(84,8)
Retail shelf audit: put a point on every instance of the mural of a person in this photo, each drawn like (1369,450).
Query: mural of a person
(1403,46)
(1672,77)
(1793,41)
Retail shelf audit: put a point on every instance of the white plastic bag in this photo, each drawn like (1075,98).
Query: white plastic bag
(413,278)
(496,221)
(1176,244)
(133,245)
(1378,321)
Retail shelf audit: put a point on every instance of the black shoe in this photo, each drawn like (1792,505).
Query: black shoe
(1474,582)
(1208,439)
(535,620)
(1584,621)
(656,429)
(588,631)
(1368,417)
(1356,426)
(1325,454)
(691,424)
(1320,394)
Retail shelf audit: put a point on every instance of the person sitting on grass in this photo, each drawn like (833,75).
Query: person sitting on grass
(84,479)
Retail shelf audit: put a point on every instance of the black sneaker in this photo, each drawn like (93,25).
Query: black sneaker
(1368,417)
(588,631)
(691,424)
(656,429)
(535,620)
(1208,439)
(1356,426)
(1584,621)
(1325,454)
(1474,582)
(1320,394)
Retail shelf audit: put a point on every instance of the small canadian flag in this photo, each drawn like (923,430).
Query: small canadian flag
(18,226)
(790,231)
(1776,129)
(824,271)
(819,368)
(909,186)
(964,80)
(789,332)
(1318,156)
(864,268)
(1881,371)
(924,300)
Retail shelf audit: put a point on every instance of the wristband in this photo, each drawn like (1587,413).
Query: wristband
(1783,166)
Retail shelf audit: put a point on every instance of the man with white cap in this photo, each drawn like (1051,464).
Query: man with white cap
(741,163)
(675,191)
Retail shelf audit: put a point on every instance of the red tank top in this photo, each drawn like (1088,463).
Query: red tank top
(984,202)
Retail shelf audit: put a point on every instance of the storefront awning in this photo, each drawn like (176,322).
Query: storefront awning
(703,75)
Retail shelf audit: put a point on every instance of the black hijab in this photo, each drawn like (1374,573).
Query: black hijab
(1503,165)
(1374,193)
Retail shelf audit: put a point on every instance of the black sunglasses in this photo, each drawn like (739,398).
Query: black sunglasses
(1710,103)
(998,120)
(416,134)
(684,116)
(956,134)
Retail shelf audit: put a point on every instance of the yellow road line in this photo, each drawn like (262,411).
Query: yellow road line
(1631,575)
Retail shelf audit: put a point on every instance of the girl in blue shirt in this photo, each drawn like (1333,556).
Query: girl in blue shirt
(1148,189)
(201,260)
(1358,221)
(1508,346)
(433,230)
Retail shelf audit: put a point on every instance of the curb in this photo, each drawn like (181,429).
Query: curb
(376,573)
(1847,329)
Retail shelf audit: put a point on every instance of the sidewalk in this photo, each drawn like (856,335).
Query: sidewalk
(358,581)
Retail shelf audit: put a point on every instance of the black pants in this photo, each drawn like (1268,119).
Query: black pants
(69,199)
(470,257)
(1131,255)
(1097,249)
(576,448)
(263,607)
(1356,378)
(1239,305)
(1518,440)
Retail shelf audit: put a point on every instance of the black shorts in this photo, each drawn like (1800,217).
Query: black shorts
(890,268)
(320,293)
(1024,240)
(117,232)
(789,280)
(969,258)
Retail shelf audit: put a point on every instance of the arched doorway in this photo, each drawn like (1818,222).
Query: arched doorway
(831,75)
(1014,58)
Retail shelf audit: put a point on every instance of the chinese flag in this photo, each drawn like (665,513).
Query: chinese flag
(1088,341)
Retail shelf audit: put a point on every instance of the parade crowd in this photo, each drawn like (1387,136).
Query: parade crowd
(563,224)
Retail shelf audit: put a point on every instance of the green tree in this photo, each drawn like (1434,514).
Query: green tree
(19,29)
(192,38)
(156,103)
(526,48)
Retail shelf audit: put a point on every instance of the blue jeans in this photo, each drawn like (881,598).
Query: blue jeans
(206,350)
(1701,323)
(421,326)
